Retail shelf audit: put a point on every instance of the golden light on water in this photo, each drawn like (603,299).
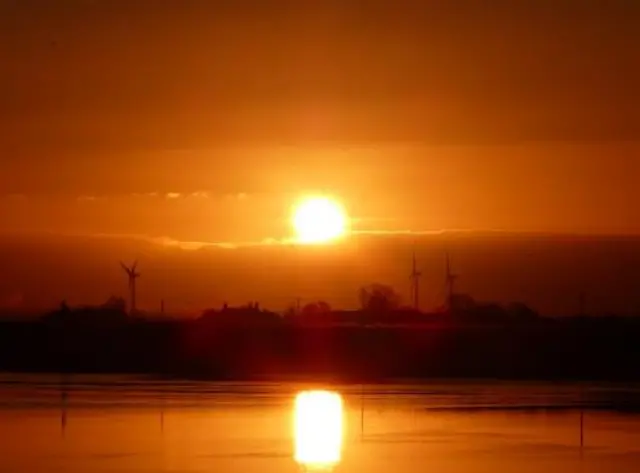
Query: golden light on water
(318,428)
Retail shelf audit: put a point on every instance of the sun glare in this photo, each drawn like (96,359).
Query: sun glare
(318,429)
(319,220)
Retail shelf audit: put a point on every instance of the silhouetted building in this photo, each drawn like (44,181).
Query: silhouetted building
(242,316)
(112,311)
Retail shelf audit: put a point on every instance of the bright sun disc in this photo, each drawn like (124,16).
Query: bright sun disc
(319,220)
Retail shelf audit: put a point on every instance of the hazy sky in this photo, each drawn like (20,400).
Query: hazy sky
(419,115)
(205,121)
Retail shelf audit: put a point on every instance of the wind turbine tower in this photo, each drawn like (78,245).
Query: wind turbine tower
(415,281)
(450,282)
(132,275)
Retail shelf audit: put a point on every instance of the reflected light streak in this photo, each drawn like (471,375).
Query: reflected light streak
(318,429)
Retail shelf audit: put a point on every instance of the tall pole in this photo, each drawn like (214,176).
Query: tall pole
(298,273)
(64,395)
(450,281)
(581,426)
(361,411)
(582,387)
(132,274)
(162,395)
(132,288)
(582,397)
(415,282)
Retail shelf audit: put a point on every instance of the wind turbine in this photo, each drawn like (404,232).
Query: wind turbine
(132,274)
(415,281)
(450,282)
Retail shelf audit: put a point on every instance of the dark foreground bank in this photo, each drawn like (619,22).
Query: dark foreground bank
(572,348)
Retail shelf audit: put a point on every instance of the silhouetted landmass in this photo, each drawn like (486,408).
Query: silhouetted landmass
(548,271)
(373,344)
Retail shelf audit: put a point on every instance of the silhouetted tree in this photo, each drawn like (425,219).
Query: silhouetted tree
(117,304)
(462,302)
(290,312)
(521,311)
(378,298)
(64,307)
(315,312)
(488,312)
(319,307)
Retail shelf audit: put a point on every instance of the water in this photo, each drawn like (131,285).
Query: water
(125,424)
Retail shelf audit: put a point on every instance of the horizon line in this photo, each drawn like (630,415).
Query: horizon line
(185,244)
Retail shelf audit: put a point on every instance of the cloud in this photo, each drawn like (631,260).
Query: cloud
(237,196)
(87,198)
(189,245)
(175,195)
(196,194)
(197,245)
(442,231)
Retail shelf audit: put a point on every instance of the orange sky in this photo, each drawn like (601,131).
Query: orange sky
(514,188)
(419,115)
(200,122)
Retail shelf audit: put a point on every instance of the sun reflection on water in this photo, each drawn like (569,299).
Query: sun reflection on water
(318,429)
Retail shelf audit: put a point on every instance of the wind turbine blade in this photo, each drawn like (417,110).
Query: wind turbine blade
(134,265)
(124,267)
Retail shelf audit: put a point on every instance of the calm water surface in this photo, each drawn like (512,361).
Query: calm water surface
(122,424)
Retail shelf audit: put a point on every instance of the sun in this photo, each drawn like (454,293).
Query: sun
(319,220)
